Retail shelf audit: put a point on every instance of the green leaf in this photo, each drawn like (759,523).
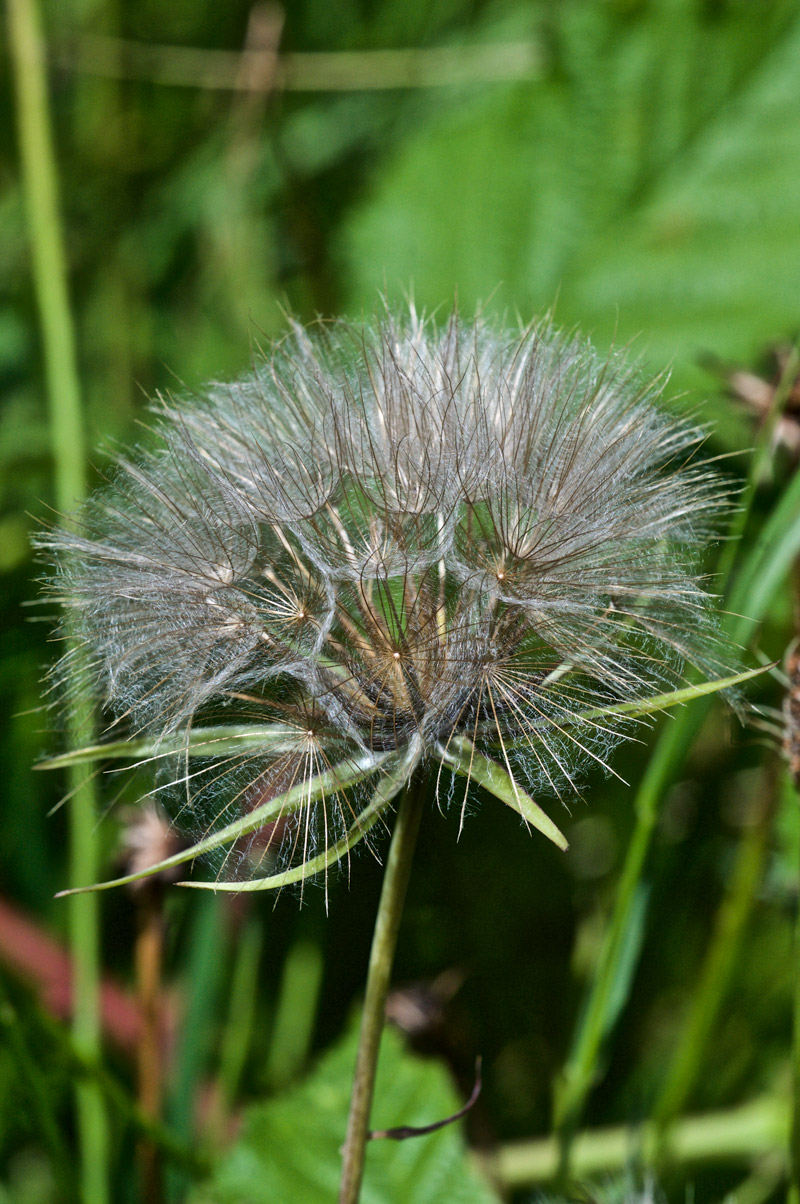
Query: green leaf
(390,784)
(289,1148)
(623,969)
(340,777)
(464,759)
(645,190)
(707,254)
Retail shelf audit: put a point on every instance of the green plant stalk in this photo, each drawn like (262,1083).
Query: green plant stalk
(85,956)
(748,600)
(718,966)
(40,185)
(313,71)
(295,1014)
(50,279)
(35,1082)
(763,1181)
(203,974)
(794,1135)
(580,1070)
(743,1134)
(384,940)
(149,957)
(238,1032)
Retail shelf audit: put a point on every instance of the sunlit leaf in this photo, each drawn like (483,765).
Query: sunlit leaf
(647,192)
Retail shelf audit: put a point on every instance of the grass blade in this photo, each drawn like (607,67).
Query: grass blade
(40,186)
(754,588)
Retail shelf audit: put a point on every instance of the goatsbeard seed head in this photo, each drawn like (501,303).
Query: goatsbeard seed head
(384,547)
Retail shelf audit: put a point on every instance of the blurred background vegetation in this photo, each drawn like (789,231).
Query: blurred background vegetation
(632,165)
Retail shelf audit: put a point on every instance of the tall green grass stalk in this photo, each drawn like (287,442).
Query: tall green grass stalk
(237,1035)
(296,1012)
(749,1133)
(747,601)
(794,1134)
(40,184)
(715,975)
(203,973)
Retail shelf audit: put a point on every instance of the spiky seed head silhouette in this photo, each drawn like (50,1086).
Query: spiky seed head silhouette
(390,546)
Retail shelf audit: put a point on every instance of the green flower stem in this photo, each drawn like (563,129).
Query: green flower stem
(295,1013)
(84,918)
(238,1032)
(40,186)
(149,959)
(384,940)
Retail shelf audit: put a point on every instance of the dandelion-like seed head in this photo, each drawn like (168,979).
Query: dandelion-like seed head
(386,547)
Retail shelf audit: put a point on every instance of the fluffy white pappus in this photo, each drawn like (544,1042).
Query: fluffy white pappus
(398,542)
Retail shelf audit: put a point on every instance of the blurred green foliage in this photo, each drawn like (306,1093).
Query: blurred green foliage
(289,1148)
(639,173)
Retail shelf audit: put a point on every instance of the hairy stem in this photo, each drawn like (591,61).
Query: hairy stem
(384,940)
(40,186)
